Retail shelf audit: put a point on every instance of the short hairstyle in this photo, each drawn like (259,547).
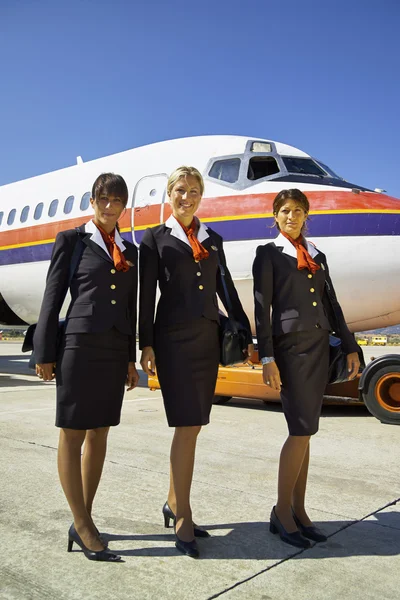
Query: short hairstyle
(181,172)
(292,194)
(110,183)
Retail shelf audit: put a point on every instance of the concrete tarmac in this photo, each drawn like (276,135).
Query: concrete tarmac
(353,494)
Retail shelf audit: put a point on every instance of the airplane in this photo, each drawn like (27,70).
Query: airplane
(357,228)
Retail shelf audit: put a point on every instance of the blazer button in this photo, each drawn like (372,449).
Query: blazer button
(113,286)
(311,289)
(314,304)
(113,271)
(198,273)
(201,287)
(309,276)
(113,302)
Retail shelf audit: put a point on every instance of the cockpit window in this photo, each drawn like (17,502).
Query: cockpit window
(1,217)
(262,166)
(261,147)
(304,166)
(226,170)
(328,170)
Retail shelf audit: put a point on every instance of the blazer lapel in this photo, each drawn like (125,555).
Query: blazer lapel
(287,247)
(94,240)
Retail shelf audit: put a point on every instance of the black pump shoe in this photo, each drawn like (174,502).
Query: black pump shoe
(103,555)
(311,532)
(294,539)
(169,516)
(188,548)
(103,541)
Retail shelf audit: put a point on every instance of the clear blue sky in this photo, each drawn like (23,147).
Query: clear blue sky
(95,77)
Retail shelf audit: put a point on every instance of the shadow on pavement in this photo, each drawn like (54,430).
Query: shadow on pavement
(253,541)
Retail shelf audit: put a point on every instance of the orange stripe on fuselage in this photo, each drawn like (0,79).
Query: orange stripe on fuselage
(229,207)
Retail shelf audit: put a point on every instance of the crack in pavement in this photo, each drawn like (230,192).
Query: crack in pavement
(280,562)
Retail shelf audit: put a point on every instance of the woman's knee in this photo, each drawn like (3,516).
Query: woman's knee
(97,435)
(72,437)
(187,433)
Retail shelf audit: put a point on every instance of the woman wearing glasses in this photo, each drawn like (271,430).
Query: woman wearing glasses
(96,356)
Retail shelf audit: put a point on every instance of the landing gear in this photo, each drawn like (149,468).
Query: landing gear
(379,388)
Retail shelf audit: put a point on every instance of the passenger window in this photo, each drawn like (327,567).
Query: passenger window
(68,204)
(38,211)
(226,170)
(1,217)
(11,216)
(262,166)
(24,214)
(85,201)
(53,208)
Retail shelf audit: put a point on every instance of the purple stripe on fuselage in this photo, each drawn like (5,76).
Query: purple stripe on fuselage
(330,225)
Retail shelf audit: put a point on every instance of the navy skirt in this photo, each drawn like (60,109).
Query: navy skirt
(303,359)
(90,378)
(187,359)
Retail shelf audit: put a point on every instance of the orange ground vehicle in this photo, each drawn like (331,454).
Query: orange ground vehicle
(378,387)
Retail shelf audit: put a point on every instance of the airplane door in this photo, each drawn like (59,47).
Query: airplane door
(148,203)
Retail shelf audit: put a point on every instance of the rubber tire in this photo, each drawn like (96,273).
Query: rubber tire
(221,399)
(372,403)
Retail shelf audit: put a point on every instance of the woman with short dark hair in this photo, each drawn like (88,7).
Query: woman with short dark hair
(96,356)
(290,276)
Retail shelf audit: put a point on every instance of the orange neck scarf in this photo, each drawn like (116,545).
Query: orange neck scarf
(118,258)
(199,252)
(304,260)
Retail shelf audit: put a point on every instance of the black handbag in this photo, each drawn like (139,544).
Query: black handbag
(27,345)
(338,371)
(233,337)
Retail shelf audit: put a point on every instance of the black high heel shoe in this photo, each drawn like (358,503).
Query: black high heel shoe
(103,555)
(311,532)
(188,548)
(294,539)
(169,516)
(103,541)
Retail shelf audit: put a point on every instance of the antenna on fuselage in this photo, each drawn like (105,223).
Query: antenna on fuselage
(79,160)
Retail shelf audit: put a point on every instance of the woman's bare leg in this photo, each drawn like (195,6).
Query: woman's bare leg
(290,464)
(183,450)
(69,469)
(299,492)
(94,453)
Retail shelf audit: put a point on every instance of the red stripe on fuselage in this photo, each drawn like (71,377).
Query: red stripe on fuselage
(238,205)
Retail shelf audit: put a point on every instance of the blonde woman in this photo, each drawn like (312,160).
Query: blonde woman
(181,256)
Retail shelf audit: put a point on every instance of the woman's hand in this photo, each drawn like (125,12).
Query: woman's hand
(353,364)
(148,360)
(249,352)
(132,379)
(271,376)
(46,371)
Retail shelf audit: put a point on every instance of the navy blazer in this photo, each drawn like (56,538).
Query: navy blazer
(298,298)
(188,288)
(101,296)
